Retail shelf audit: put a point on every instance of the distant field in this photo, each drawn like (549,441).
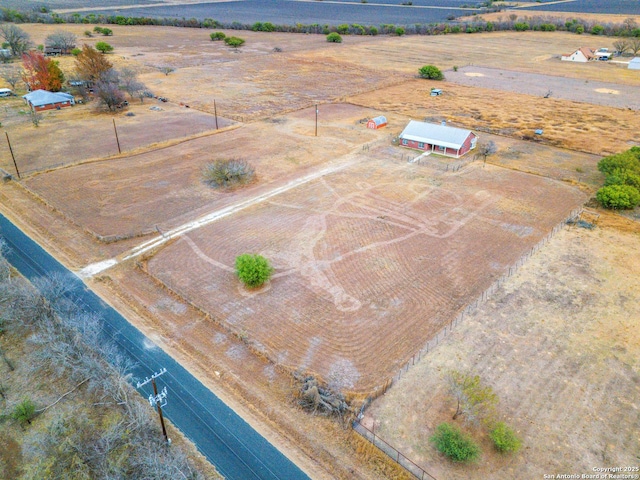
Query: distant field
(287,12)
(630,7)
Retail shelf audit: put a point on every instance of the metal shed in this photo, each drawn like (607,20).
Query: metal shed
(377,122)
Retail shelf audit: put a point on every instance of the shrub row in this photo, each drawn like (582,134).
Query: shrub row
(622,180)
(628,28)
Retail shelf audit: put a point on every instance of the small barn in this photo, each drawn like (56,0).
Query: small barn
(40,100)
(438,138)
(634,64)
(377,122)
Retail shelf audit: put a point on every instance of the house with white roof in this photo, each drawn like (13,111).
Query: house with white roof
(438,138)
(40,100)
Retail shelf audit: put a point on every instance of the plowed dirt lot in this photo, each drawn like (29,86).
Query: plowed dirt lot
(370,262)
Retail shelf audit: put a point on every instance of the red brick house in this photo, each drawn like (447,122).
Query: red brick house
(438,138)
(40,100)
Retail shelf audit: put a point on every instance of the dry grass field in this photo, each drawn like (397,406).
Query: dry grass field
(370,262)
(371,259)
(559,345)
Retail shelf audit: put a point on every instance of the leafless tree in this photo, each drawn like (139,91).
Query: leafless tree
(12,75)
(130,83)
(65,41)
(486,149)
(18,40)
(622,46)
(107,90)
(634,45)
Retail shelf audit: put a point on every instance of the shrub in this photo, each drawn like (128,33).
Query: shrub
(24,412)
(228,173)
(253,270)
(580,29)
(628,160)
(343,29)
(521,26)
(217,36)
(75,52)
(234,42)
(504,438)
(104,47)
(373,31)
(618,197)
(88,33)
(431,72)
(454,444)
(400,31)
(334,37)
(597,30)
(97,29)
(107,32)
(547,27)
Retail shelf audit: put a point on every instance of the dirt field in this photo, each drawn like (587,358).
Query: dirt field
(376,251)
(371,259)
(559,344)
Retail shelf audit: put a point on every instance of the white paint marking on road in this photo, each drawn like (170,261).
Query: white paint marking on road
(95,268)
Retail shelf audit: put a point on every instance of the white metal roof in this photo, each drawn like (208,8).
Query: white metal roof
(5,90)
(435,134)
(38,98)
(379,120)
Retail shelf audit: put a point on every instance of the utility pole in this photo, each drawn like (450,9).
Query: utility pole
(116,130)
(316,120)
(12,156)
(157,400)
(215,112)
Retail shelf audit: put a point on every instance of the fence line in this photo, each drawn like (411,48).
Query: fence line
(402,460)
(440,335)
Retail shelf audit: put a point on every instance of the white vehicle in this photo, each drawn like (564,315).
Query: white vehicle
(5,92)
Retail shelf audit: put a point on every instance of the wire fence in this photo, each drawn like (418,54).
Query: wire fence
(392,452)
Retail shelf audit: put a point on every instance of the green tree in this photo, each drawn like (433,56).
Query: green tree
(457,446)
(580,29)
(104,47)
(253,270)
(234,42)
(24,412)
(474,400)
(597,30)
(431,72)
(217,36)
(400,31)
(504,438)
(334,37)
(629,160)
(521,27)
(618,197)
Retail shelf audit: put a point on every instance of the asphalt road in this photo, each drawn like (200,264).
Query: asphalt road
(237,450)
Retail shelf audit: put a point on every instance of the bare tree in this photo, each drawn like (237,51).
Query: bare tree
(486,149)
(167,69)
(622,46)
(130,83)
(12,75)
(65,41)
(107,90)
(634,45)
(18,40)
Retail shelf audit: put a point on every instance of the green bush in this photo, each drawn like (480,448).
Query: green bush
(88,33)
(521,26)
(343,29)
(107,32)
(597,30)
(97,29)
(334,37)
(504,438)
(75,52)
(431,72)
(400,31)
(234,42)
(104,47)
(457,446)
(228,173)
(618,197)
(373,31)
(253,270)
(580,29)
(24,412)
(629,160)
(217,36)
(547,27)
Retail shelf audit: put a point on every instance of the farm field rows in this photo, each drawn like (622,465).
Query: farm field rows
(370,262)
